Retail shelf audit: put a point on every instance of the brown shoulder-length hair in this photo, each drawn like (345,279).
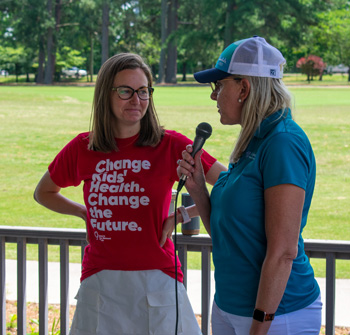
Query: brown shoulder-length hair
(101,137)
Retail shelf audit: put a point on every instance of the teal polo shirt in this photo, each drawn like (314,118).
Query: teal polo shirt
(279,153)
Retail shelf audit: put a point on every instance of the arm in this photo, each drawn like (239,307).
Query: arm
(199,193)
(196,183)
(47,193)
(283,212)
(169,225)
(214,172)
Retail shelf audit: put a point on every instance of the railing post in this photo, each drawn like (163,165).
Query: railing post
(182,252)
(206,281)
(21,286)
(64,276)
(330,293)
(43,280)
(2,286)
(83,245)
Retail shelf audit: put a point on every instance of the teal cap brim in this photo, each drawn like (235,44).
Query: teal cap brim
(210,75)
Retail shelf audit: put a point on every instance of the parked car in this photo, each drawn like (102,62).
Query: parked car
(341,68)
(74,72)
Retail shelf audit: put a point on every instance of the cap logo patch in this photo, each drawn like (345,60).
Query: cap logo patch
(223,60)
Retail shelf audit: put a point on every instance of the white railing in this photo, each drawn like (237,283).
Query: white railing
(22,236)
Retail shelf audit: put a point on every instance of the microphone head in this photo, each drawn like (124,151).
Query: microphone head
(204,130)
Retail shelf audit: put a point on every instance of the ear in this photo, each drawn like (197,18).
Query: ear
(245,89)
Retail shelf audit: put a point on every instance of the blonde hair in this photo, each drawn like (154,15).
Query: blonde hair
(266,96)
(101,137)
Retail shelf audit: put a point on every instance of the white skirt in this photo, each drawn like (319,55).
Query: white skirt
(132,303)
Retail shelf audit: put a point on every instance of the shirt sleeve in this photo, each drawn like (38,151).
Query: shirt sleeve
(64,168)
(180,142)
(285,160)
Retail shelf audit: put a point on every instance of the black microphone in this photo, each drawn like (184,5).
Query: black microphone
(203,132)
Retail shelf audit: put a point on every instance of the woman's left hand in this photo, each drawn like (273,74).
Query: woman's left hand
(168,228)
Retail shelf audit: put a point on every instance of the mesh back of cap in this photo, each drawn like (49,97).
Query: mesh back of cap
(255,57)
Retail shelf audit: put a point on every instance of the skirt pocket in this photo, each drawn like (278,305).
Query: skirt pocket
(85,319)
(123,314)
(162,312)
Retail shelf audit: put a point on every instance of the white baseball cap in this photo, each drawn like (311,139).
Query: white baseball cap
(250,57)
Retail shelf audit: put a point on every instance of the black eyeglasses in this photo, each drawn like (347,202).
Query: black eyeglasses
(216,85)
(126,92)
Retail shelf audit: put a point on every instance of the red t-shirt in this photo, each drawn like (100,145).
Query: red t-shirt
(127,195)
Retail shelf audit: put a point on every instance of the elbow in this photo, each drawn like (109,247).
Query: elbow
(35,197)
(284,256)
(291,252)
(288,255)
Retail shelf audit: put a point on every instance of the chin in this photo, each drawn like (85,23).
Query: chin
(227,122)
(224,122)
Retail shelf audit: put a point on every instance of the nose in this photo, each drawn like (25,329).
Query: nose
(214,95)
(135,98)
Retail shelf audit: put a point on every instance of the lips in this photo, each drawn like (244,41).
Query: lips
(131,110)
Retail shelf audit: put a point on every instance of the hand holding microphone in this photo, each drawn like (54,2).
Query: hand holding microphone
(203,132)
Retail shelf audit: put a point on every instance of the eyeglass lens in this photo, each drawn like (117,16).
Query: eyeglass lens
(215,85)
(125,92)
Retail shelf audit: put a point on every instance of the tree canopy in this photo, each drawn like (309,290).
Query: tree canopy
(45,36)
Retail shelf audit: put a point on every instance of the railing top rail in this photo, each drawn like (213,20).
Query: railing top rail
(43,232)
(332,245)
(196,241)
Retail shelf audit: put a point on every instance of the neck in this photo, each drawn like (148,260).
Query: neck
(123,131)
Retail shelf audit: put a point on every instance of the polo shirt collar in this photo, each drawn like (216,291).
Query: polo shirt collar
(271,121)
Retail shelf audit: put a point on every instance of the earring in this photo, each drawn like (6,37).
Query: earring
(239,100)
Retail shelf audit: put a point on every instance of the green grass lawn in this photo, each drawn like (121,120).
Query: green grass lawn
(37,121)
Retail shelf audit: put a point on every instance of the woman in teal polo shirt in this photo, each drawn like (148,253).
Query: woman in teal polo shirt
(258,209)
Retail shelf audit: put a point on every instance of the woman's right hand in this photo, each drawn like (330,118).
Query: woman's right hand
(195,183)
(192,168)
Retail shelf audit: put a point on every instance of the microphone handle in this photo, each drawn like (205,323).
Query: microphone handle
(197,145)
(182,182)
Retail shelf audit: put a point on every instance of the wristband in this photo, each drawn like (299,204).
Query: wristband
(185,217)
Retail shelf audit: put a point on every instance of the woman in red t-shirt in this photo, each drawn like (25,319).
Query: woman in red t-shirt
(128,164)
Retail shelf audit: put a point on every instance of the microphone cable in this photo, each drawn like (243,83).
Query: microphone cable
(203,132)
(175,247)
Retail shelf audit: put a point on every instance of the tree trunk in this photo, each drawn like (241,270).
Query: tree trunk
(49,47)
(91,57)
(58,9)
(105,24)
(164,35)
(184,68)
(41,60)
(171,61)
(16,71)
(228,34)
(49,63)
